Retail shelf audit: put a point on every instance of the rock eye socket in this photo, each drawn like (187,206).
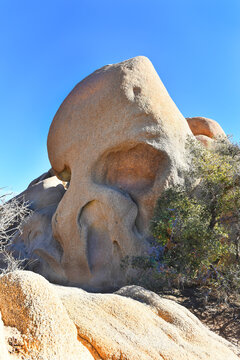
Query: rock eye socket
(131,169)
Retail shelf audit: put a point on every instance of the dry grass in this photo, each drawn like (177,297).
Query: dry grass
(12,214)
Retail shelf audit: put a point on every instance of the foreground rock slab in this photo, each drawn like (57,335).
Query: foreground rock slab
(138,324)
(35,317)
(52,322)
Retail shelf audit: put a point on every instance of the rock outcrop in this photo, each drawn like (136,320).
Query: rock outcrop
(140,325)
(60,323)
(35,241)
(30,306)
(119,139)
(205,130)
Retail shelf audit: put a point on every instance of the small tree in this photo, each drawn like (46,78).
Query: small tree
(197,225)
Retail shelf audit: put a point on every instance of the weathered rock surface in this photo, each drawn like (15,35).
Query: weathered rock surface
(42,192)
(119,139)
(3,348)
(29,304)
(140,325)
(35,241)
(205,130)
(132,324)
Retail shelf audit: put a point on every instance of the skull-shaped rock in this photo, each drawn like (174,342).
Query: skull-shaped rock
(119,139)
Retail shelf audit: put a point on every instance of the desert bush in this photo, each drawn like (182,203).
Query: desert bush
(12,214)
(196,225)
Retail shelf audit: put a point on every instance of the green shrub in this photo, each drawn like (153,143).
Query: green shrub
(196,226)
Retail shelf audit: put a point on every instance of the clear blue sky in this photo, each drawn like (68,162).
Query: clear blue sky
(48,46)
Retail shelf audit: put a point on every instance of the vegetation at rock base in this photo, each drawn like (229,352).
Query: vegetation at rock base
(12,213)
(196,226)
(195,250)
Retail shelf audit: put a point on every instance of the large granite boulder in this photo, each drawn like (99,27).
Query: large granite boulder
(117,140)
(115,143)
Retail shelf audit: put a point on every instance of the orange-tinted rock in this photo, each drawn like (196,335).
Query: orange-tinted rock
(29,304)
(207,127)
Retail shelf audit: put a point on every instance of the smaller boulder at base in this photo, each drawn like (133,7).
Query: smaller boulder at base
(30,305)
